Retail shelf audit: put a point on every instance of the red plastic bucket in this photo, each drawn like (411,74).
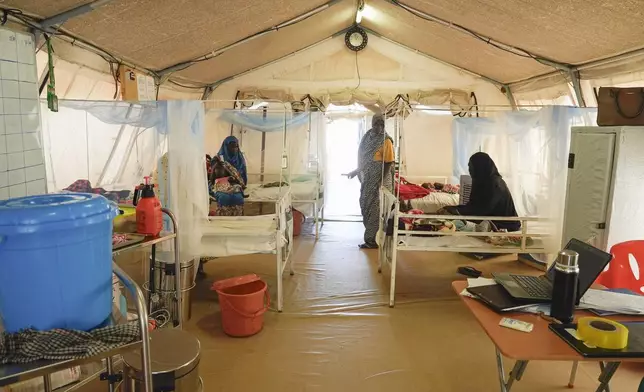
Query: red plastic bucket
(298,220)
(243,301)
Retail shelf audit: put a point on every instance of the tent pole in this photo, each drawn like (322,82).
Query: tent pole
(183,65)
(207,91)
(576,85)
(508,94)
(512,49)
(586,66)
(48,24)
(72,13)
(235,107)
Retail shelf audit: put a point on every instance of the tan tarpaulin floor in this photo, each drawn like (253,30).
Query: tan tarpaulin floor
(338,334)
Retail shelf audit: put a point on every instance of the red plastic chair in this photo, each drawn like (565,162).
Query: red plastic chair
(626,270)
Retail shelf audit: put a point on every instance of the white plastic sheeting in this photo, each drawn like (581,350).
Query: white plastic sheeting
(115,144)
(530,149)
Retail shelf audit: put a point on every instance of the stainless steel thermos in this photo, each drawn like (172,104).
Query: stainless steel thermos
(564,287)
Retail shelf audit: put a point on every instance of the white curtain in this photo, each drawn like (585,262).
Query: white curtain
(187,179)
(426,144)
(530,149)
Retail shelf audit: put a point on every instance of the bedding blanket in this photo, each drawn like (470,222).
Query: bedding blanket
(410,191)
(407,191)
(445,225)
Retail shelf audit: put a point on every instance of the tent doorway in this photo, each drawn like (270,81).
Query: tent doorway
(342,194)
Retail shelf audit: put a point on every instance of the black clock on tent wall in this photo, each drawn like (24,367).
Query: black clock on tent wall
(356,39)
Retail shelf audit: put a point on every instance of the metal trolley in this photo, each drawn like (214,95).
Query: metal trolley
(10,374)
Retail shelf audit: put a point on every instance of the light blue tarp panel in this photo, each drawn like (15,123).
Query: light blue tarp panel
(141,114)
(264,122)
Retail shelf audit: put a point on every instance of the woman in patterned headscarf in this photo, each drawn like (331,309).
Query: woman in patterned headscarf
(375,169)
(232,155)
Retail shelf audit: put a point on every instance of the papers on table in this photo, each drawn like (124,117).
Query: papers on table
(537,309)
(478,282)
(611,301)
(605,302)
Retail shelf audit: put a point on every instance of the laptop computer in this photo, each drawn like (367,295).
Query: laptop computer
(497,298)
(592,262)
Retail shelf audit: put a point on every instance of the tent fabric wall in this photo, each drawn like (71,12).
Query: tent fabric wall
(383,69)
(79,82)
(547,96)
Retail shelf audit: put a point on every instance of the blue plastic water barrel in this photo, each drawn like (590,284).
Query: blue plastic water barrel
(56,261)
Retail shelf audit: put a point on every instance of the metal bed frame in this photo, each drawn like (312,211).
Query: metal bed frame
(283,249)
(389,245)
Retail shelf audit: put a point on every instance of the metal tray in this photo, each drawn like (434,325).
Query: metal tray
(131,240)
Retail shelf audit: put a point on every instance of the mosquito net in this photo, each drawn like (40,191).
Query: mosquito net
(109,147)
(280,147)
(530,149)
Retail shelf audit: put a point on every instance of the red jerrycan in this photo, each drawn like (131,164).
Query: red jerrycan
(149,217)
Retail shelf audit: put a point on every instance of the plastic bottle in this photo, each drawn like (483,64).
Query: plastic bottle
(149,218)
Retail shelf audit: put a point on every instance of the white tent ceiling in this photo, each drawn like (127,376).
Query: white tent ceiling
(382,70)
(159,34)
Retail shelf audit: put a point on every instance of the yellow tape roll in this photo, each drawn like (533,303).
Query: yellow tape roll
(602,333)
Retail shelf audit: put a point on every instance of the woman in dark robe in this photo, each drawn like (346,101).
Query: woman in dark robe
(375,169)
(490,195)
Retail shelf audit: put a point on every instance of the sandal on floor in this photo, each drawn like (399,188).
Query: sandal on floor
(368,246)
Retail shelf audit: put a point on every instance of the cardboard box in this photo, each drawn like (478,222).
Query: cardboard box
(136,86)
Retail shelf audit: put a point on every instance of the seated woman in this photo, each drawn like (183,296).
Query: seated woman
(231,155)
(490,195)
(226,190)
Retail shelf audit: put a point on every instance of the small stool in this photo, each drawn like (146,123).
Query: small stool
(174,355)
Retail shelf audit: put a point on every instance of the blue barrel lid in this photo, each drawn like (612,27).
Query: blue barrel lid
(52,208)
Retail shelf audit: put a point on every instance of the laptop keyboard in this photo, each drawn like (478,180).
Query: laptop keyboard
(533,286)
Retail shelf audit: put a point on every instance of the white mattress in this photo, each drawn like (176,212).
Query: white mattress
(459,242)
(223,246)
(305,190)
(240,225)
(435,201)
(238,235)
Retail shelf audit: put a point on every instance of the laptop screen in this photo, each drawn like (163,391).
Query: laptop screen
(592,262)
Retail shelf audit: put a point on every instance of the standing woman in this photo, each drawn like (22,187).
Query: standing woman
(230,153)
(375,168)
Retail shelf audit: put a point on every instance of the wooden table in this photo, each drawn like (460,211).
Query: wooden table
(539,345)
